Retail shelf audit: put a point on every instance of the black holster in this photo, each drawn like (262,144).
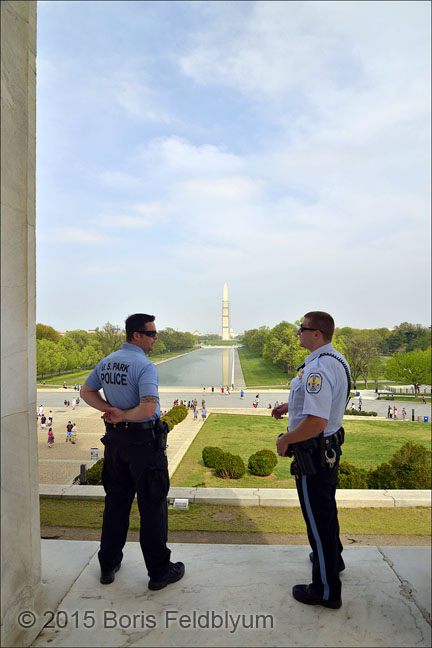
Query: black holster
(160,433)
(302,452)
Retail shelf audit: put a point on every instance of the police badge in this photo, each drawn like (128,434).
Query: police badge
(314,382)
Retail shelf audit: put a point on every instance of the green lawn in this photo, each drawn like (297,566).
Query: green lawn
(78,377)
(240,519)
(367,444)
(258,372)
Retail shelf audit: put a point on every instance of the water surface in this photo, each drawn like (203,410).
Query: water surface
(201,368)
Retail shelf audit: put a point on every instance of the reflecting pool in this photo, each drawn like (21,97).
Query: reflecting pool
(202,368)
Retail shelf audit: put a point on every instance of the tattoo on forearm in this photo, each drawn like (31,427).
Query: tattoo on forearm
(148,399)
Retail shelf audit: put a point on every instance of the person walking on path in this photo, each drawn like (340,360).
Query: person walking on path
(203,413)
(195,414)
(404,413)
(135,459)
(50,437)
(316,406)
(69,427)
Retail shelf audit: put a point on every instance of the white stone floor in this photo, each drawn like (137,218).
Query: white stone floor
(229,588)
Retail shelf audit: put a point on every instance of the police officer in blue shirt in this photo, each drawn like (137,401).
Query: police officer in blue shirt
(316,407)
(135,460)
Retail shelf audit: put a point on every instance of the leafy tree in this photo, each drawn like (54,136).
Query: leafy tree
(80,337)
(406,337)
(70,351)
(413,368)
(159,347)
(110,338)
(282,347)
(247,337)
(258,340)
(88,356)
(45,332)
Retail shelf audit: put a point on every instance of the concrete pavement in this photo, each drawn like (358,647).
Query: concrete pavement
(232,595)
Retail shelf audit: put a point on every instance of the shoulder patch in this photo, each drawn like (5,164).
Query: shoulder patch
(314,383)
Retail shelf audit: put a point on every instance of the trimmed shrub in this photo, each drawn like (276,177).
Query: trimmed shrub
(94,474)
(175,415)
(269,453)
(351,477)
(410,467)
(210,456)
(230,466)
(262,462)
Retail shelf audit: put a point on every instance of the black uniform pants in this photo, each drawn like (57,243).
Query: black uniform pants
(317,495)
(134,464)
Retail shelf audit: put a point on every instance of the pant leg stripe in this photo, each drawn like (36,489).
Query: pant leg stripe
(317,539)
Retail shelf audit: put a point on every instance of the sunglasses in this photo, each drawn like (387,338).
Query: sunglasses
(302,328)
(148,333)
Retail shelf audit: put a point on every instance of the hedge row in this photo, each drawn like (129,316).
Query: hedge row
(409,468)
(175,415)
(359,413)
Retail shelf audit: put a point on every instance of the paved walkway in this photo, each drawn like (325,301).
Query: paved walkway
(232,595)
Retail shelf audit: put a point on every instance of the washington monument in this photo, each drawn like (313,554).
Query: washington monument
(225,314)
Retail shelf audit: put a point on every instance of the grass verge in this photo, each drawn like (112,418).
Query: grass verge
(249,519)
(257,371)
(368,443)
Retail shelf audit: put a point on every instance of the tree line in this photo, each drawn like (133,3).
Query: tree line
(367,351)
(56,353)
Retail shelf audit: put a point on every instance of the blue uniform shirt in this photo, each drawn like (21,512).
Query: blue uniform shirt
(320,389)
(125,376)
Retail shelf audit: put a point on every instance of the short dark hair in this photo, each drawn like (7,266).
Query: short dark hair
(322,321)
(136,322)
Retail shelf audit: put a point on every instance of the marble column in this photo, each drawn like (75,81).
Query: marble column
(20,527)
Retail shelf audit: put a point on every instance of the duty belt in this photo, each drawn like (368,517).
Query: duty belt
(129,425)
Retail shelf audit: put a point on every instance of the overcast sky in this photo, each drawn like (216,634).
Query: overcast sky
(281,147)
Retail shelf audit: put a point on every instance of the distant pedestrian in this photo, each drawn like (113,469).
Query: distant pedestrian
(353,407)
(227,391)
(40,410)
(222,390)
(203,414)
(212,390)
(423,399)
(74,434)
(50,437)
(43,422)
(390,412)
(404,413)
(73,403)
(395,413)
(65,403)
(203,404)
(242,394)
(50,418)
(69,427)
(276,404)
(195,413)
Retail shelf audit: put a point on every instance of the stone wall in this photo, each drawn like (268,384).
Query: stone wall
(20,529)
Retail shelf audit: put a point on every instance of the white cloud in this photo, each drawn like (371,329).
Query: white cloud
(76,235)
